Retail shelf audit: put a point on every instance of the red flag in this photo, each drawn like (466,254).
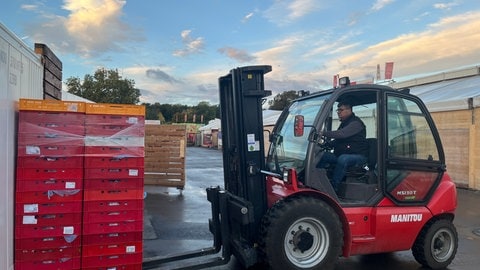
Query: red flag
(388,70)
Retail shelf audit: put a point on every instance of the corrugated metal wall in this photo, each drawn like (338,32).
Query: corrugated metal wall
(21,76)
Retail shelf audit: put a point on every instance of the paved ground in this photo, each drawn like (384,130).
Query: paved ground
(177,221)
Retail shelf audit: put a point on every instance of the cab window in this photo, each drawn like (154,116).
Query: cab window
(413,159)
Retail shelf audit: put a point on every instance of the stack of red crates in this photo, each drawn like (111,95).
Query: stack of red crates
(113,187)
(49,185)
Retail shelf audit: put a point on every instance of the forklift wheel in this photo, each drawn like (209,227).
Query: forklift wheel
(436,244)
(301,233)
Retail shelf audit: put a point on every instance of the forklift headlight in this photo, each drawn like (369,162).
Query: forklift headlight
(285,175)
(344,81)
(290,177)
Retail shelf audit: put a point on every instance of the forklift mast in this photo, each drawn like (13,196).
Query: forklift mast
(242,94)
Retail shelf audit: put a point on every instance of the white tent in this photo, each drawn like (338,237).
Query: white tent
(270,117)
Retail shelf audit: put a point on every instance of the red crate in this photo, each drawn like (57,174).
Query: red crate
(112,216)
(112,205)
(112,260)
(113,173)
(51,105)
(47,231)
(116,267)
(111,129)
(134,183)
(54,138)
(48,184)
(114,119)
(112,151)
(49,162)
(44,254)
(49,242)
(53,126)
(113,227)
(56,264)
(53,173)
(48,208)
(112,194)
(47,219)
(73,118)
(72,195)
(50,150)
(119,161)
(117,237)
(115,140)
(112,248)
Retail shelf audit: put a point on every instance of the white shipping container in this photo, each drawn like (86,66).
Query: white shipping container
(21,76)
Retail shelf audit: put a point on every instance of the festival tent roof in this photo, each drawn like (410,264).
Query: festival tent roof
(455,94)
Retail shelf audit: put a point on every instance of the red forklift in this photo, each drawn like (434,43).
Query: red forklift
(281,211)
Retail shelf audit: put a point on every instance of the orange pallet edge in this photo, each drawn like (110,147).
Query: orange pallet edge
(51,105)
(117,109)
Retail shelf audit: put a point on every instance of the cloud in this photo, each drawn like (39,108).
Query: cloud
(90,29)
(379,4)
(192,45)
(445,6)
(247,17)
(160,75)
(156,85)
(237,54)
(29,7)
(439,47)
(284,12)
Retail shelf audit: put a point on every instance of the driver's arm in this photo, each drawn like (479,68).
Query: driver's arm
(346,132)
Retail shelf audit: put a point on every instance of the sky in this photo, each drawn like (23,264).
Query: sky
(175,50)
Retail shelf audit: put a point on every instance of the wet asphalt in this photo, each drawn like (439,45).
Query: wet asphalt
(176,222)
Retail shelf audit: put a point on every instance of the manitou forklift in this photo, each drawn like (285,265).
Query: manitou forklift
(282,211)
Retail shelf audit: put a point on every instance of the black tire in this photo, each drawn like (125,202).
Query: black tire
(301,233)
(436,245)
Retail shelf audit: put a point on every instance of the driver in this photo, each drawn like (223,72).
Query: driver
(350,146)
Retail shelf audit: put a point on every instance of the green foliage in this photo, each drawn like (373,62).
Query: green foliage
(176,113)
(282,100)
(105,86)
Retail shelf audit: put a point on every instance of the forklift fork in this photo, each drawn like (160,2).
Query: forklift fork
(218,199)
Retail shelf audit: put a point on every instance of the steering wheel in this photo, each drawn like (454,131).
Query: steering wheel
(326,144)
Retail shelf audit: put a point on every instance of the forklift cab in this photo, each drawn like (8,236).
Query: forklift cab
(405,160)
(282,210)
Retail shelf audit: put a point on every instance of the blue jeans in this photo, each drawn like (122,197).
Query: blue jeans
(341,163)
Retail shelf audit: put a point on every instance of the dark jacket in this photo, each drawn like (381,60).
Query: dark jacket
(350,138)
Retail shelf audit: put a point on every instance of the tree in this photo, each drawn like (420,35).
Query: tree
(168,113)
(105,86)
(282,100)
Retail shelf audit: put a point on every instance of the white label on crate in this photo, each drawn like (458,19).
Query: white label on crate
(30,208)
(29,220)
(133,172)
(72,107)
(69,185)
(68,230)
(132,120)
(32,150)
(130,249)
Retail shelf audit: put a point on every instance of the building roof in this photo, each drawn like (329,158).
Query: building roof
(446,91)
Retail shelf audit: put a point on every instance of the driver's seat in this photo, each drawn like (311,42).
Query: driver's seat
(361,181)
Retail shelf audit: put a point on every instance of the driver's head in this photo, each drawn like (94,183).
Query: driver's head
(344,110)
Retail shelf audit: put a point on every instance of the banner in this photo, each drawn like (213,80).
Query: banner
(388,70)
(335,81)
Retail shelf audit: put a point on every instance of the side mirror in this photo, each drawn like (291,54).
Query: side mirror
(298,126)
